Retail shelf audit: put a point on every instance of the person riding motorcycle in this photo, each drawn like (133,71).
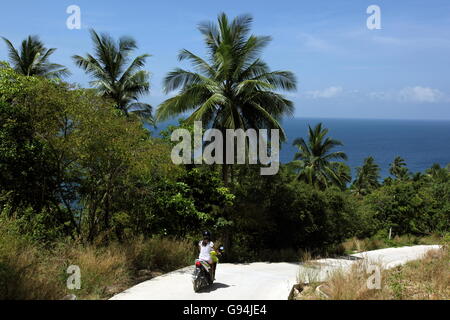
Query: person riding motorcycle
(208,253)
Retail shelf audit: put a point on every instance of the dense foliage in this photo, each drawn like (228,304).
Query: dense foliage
(70,158)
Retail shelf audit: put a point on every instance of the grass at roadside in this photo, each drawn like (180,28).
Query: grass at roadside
(355,245)
(428,278)
(31,271)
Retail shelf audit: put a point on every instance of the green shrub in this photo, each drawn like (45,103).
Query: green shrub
(411,207)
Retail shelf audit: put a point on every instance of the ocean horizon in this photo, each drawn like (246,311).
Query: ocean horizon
(421,143)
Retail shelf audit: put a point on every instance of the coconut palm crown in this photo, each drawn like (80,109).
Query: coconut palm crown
(399,169)
(232,87)
(32,59)
(367,177)
(315,159)
(115,75)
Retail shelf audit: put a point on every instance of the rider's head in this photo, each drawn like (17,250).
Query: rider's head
(206,235)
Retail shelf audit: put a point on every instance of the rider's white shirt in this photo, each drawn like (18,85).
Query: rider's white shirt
(205,251)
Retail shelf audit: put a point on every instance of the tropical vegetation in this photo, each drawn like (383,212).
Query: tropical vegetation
(83,181)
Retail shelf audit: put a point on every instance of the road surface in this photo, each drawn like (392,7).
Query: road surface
(261,280)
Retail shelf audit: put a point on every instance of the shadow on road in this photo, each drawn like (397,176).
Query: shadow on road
(214,287)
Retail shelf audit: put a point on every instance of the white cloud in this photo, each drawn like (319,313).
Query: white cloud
(415,94)
(420,95)
(326,93)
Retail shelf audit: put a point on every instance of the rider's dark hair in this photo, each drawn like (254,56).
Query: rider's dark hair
(206,238)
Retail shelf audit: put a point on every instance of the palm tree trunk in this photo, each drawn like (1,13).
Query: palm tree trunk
(225,168)
(232,174)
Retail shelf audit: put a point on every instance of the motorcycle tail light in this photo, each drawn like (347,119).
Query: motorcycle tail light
(198,264)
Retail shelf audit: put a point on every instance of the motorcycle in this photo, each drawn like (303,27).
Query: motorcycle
(203,274)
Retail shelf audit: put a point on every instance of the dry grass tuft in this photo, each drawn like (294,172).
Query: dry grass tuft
(30,271)
(428,278)
(354,244)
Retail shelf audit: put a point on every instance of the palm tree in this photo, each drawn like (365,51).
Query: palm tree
(398,169)
(315,159)
(114,76)
(418,176)
(232,88)
(437,173)
(33,59)
(367,177)
(343,173)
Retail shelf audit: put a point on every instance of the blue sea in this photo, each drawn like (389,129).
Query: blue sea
(420,142)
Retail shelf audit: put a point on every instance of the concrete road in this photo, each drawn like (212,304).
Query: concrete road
(261,280)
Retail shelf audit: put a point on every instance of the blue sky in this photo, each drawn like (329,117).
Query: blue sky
(344,70)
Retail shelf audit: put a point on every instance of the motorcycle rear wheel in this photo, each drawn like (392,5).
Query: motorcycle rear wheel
(197,285)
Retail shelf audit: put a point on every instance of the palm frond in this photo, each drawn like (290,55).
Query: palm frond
(113,76)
